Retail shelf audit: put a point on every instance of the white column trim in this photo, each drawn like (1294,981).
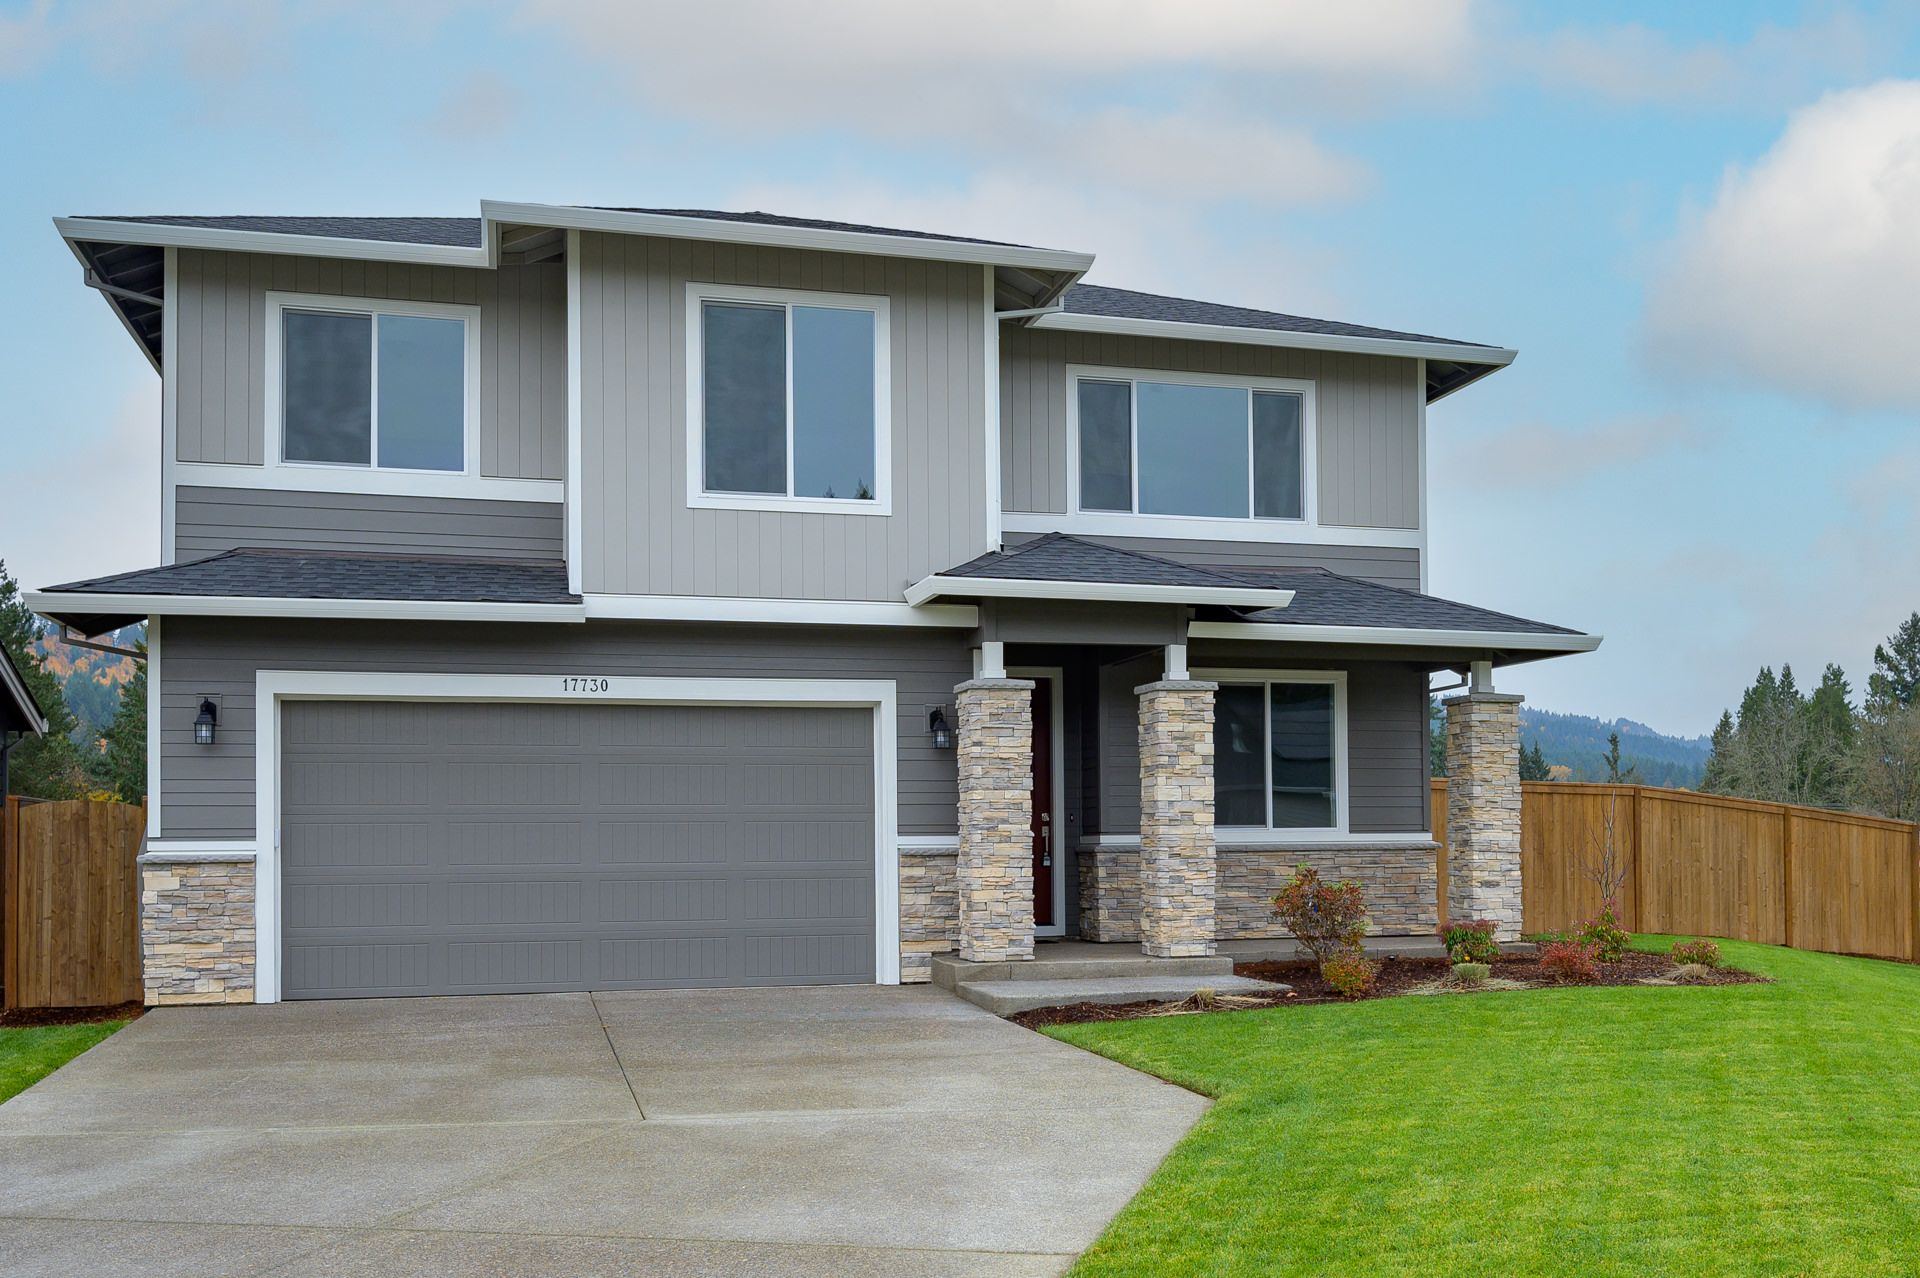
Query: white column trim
(992,362)
(575,429)
(153,726)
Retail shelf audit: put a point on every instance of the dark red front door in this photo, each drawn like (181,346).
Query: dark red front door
(1043,836)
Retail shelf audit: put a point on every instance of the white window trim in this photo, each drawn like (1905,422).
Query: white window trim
(1291,834)
(1227,527)
(274,688)
(698,497)
(345,477)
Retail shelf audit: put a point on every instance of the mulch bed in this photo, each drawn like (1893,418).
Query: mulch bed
(33,1017)
(1398,977)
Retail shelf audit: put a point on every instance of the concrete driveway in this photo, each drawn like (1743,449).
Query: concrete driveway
(844,1131)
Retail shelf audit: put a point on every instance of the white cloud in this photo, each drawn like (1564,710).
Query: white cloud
(1555,454)
(26,39)
(1804,272)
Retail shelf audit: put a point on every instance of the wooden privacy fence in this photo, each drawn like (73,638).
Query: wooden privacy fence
(70,918)
(1711,866)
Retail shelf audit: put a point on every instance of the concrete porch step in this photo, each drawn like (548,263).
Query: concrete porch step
(1077,960)
(1007,997)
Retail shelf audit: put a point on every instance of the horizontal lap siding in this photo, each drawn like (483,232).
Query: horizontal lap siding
(210,520)
(1386,743)
(1369,413)
(1387,565)
(640,536)
(208,791)
(221,326)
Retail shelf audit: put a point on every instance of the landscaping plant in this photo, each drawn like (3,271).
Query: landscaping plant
(1570,960)
(1468,973)
(1470,942)
(1703,953)
(1608,938)
(1350,972)
(1326,919)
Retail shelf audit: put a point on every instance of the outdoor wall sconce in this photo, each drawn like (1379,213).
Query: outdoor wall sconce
(208,721)
(937,725)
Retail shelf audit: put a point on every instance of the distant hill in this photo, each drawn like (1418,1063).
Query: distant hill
(90,681)
(1578,743)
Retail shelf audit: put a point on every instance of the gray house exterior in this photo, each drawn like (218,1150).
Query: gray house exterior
(575,598)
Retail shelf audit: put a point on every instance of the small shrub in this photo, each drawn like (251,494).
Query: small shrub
(1350,972)
(1608,938)
(1471,973)
(1325,918)
(1470,942)
(1569,960)
(1703,953)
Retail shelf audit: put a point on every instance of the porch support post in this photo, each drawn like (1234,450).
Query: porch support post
(1176,818)
(1483,809)
(994,874)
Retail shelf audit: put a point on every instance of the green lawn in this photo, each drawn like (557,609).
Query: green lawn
(1741,1130)
(29,1055)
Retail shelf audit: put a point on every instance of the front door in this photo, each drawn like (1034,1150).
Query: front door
(1044,905)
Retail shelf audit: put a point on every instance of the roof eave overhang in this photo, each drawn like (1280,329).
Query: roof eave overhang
(1492,358)
(22,697)
(572,217)
(74,229)
(75,606)
(940,586)
(1527,641)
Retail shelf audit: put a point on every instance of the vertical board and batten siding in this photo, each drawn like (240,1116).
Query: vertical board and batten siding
(220,317)
(1369,416)
(208,791)
(1386,740)
(210,520)
(1706,865)
(639,535)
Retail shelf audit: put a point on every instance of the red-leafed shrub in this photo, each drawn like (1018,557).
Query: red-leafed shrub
(1705,953)
(1608,938)
(1570,961)
(1350,972)
(1470,942)
(1325,918)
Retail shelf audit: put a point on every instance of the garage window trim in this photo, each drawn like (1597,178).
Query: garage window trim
(1280,754)
(788,400)
(370,385)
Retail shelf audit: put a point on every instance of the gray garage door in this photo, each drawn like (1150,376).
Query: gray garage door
(455,848)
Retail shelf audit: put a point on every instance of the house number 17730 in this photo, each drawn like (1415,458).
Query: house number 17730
(582,683)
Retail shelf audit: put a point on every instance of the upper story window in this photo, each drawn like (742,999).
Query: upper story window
(376,385)
(788,401)
(1192,446)
(1279,750)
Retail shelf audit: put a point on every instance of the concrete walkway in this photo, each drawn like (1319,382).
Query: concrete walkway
(844,1131)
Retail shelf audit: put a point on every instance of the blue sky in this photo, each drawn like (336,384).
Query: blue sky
(1696,223)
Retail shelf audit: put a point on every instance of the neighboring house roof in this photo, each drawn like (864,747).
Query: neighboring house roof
(19,712)
(1061,566)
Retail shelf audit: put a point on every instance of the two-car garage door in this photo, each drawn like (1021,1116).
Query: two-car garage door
(448,848)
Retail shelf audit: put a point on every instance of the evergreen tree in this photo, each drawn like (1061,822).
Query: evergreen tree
(1533,763)
(1830,734)
(123,766)
(49,767)
(1895,680)
(1616,775)
(1719,774)
(1436,739)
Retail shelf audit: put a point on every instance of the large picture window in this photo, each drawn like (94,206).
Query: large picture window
(1210,450)
(372,385)
(788,399)
(1278,753)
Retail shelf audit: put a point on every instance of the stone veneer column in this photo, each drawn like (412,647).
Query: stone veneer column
(994,873)
(1176,818)
(1483,810)
(196,930)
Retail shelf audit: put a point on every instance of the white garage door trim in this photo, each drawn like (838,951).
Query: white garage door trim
(273,688)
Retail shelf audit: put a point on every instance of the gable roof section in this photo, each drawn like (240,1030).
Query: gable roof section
(19,712)
(1061,566)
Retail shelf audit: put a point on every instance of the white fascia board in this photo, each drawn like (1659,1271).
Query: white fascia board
(573,217)
(794,612)
(938,586)
(1076,322)
(102,230)
(1288,632)
(50,602)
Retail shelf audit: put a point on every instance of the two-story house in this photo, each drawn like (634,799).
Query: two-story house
(581,598)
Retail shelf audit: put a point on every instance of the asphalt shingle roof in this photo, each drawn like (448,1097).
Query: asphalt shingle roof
(454,232)
(309,574)
(1125,303)
(1323,598)
(1061,557)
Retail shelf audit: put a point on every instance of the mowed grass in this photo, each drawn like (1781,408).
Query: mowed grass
(1742,1130)
(29,1055)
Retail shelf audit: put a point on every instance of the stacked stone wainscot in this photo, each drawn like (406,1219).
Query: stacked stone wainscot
(1483,810)
(197,938)
(994,868)
(929,909)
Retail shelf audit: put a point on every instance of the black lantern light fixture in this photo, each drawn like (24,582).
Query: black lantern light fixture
(207,723)
(937,725)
